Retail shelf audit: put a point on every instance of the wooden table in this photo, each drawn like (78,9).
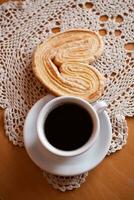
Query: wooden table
(21,179)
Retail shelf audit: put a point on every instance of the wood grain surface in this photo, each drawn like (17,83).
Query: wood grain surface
(21,179)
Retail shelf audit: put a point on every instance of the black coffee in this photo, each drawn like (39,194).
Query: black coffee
(68,127)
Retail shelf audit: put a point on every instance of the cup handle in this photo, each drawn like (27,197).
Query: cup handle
(100,106)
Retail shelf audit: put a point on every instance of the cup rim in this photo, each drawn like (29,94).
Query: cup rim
(55,103)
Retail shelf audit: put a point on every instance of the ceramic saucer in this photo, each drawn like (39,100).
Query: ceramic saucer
(65,166)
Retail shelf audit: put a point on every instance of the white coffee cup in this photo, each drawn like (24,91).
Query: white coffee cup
(92,110)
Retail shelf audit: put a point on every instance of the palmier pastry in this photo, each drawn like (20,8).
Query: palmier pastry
(61,63)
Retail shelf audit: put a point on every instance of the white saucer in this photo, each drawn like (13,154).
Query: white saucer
(65,166)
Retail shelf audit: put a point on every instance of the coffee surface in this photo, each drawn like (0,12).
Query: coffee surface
(68,127)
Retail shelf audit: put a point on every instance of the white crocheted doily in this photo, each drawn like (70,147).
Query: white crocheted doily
(24,24)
